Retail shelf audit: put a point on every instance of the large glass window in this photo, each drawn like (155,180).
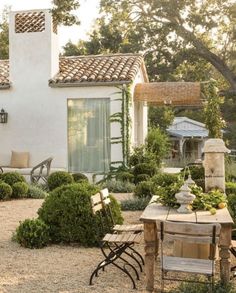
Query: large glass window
(89,135)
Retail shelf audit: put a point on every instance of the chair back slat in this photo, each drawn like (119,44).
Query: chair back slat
(106,201)
(190,239)
(188,229)
(104,193)
(96,203)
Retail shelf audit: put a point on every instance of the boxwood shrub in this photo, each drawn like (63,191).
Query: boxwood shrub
(144,189)
(19,189)
(67,211)
(5,190)
(58,179)
(32,233)
(230,188)
(78,177)
(125,177)
(12,178)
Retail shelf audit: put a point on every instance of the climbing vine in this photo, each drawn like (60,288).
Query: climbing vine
(123,118)
(213,118)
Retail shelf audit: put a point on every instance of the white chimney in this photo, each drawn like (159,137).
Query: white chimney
(34,49)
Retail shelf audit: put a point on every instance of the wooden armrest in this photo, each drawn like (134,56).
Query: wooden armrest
(44,164)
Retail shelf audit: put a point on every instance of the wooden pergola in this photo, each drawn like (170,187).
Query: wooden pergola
(185,94)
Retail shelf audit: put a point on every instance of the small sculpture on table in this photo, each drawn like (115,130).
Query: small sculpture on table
(185,198)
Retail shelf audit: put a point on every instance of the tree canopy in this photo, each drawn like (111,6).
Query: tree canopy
(169,33)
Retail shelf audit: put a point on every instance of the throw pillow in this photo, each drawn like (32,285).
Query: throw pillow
(19,159)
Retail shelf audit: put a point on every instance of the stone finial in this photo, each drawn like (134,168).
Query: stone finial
(215,145)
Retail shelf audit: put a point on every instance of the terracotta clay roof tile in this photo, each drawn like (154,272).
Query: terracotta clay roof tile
(98,68)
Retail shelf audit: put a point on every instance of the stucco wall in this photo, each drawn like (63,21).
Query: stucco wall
(37,113)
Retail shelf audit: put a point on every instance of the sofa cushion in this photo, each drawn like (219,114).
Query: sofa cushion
(19,159)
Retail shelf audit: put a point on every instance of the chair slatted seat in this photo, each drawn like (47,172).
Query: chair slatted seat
(190,233)
(119,243)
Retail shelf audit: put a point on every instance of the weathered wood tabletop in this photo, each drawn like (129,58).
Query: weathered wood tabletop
(155,211)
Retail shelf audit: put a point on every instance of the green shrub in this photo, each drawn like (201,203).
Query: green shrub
(125,177)
(230,188)
(142,177)
(12,178)
(58,179)
(166,186)
(203,288)
(135,204)
(197,172)
(67,211)
(32,233)
(165,179)
(119,186)
(141,155)
(200,183)
(19,189)
(5,190)
(144,189)
(35,191)
(78,177)
(144,168)
(158,143)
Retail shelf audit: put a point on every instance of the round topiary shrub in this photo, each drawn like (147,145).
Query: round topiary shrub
(78,177)
(36,192)
(142,177)
(143,189)
(19,189)
(67,211)
(12,178)
(58,179)
(5,190)
(165,179)
(32,233)
(144,168)
(125,177)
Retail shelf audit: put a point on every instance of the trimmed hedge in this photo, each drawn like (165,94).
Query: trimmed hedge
(144,189)
(32,233)
(12,178)
(67,211)
(58,179)
(78,177)
(5,190)
(20,189)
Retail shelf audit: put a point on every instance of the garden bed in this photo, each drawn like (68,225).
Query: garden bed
(56,268)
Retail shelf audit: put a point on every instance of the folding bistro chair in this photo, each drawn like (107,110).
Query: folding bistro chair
(233,251)
(106,201)
(119,245)
(191,233)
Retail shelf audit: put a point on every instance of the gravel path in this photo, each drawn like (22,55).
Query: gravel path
(57,268)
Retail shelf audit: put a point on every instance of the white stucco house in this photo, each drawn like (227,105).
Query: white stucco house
(75,109)
(188,137)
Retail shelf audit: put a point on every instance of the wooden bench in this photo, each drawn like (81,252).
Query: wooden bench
(37,173)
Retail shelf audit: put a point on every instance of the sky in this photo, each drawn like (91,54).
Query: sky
(86,14)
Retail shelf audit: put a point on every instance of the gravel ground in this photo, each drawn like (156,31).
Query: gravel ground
(57,268)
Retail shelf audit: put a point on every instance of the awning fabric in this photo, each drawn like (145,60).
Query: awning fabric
(169,93)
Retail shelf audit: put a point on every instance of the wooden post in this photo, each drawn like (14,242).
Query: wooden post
(225,241)
(150,251)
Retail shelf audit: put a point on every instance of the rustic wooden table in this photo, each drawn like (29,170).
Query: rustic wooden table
(155,211)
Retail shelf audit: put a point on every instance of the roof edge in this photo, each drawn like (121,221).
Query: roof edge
(53,84)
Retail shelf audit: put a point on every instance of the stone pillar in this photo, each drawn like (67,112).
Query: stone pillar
(214,163)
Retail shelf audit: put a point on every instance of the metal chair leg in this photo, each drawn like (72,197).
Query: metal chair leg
(110,259)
